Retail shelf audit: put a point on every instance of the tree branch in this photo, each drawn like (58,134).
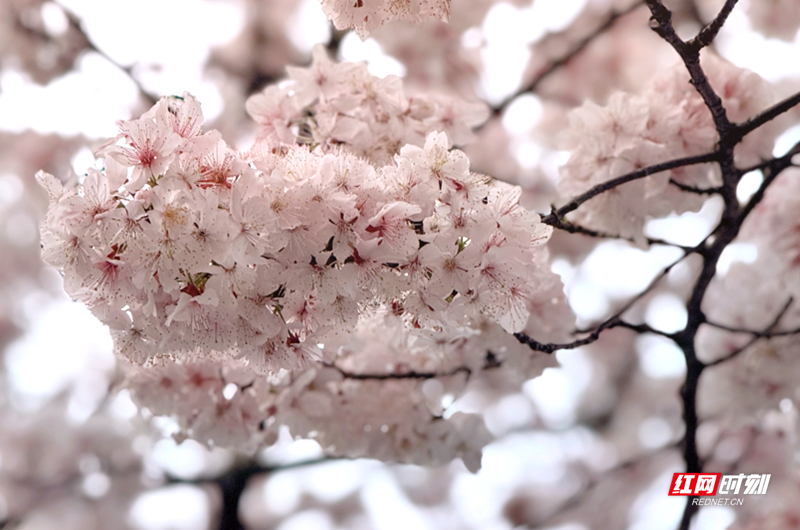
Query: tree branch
(614,321)
(402,375)
(690,55)
(490,362)
(697,191)
(335,41)
(624,179)
(709,33)
(725,232)
(713,245)
(768,115)
(570,227)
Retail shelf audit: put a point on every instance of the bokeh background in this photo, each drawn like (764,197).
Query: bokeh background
(589,444)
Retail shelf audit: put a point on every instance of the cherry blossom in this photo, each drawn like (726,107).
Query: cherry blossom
(336,105)
(668,120)
(200,258)
(364,16)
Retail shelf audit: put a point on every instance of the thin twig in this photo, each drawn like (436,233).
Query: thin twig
(615,321)
(75,23)
(757,335)
(401,375)
(491,361)
(572,228)
(567,57)
(600,479)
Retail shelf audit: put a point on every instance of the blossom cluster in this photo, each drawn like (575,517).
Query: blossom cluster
(184,246)
(668,120)
(363,405)
(332,105)
(349,247)
(364,16)
(222,404)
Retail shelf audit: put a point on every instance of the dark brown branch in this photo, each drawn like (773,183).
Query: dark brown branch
(335,41)
(644,328)
(629,177)
(690,55)
(233,482)
(763,334)
(401,375)
(770,170)
(490,363)
(572,228)
(692,189)
(713,245)
(709,33)
(723,235)
(613,322)
(783,162)
(768,115)
(630,303)
(550,348)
